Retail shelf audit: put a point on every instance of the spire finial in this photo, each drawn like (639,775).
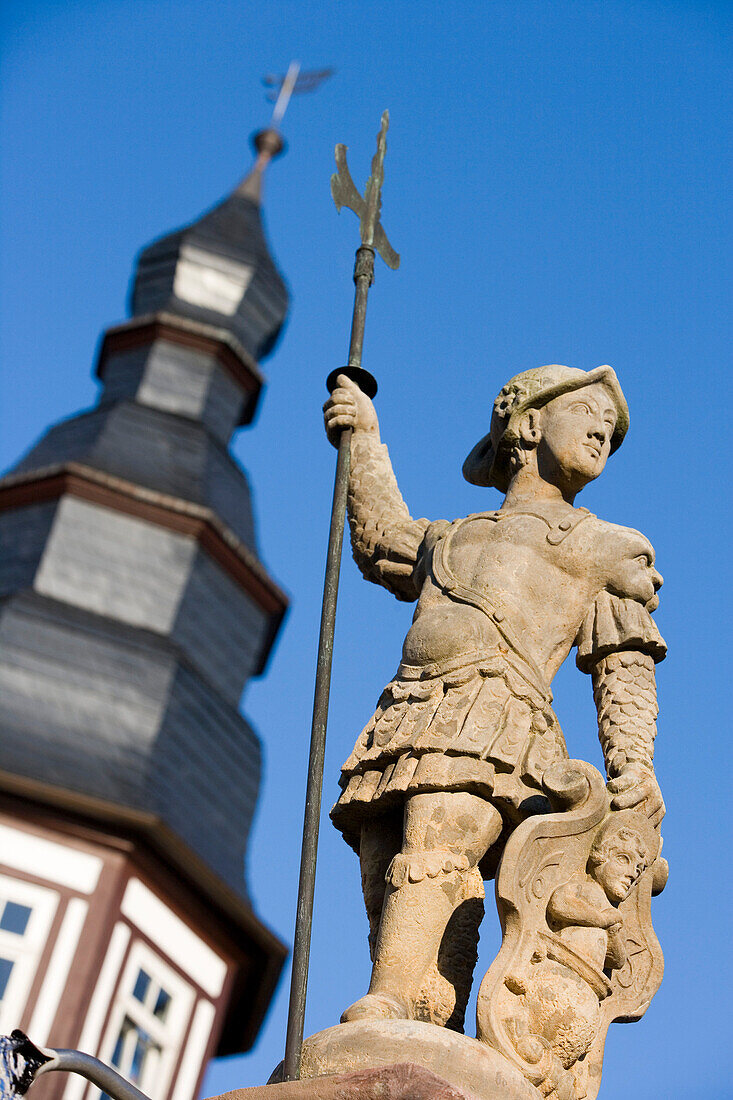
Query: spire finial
(269,142)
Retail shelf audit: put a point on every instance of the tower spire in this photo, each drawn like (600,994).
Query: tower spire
(134,610)
(268,144)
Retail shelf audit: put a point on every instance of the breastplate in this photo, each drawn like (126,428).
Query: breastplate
(448,578)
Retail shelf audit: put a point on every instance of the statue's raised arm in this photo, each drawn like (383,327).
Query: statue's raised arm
(385,539)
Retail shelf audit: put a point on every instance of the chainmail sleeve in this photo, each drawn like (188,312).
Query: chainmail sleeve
(619,644)
(385,539)
(625,693)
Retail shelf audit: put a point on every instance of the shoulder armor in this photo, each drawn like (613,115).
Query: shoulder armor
(566,526)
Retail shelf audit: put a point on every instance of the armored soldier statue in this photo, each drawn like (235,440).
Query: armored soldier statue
(453,758)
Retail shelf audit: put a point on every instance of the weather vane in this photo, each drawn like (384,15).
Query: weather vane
(373,239)
(294,82)
(269,142)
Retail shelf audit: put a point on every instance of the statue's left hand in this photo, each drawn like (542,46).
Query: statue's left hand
(636,787)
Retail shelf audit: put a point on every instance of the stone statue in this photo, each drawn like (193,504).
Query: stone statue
(450,768)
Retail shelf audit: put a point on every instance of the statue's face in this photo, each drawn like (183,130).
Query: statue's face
(619,871)
(576,430)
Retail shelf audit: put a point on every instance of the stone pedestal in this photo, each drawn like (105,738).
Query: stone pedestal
(399,1082)
(454,1062)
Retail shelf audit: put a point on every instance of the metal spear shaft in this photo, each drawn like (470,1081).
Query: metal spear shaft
(373,239)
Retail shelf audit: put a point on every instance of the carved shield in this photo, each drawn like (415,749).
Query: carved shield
(544,853)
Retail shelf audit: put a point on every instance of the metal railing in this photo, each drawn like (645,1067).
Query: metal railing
(22,1062)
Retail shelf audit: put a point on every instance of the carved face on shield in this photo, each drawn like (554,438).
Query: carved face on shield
(620,854)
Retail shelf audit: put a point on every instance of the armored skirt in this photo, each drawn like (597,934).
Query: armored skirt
(475,724)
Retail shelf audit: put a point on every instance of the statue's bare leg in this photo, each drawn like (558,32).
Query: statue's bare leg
(445,836)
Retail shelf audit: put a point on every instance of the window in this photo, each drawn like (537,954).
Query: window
(26,913)
(15,918)
(148,1021)
(135,1049)
(211,281)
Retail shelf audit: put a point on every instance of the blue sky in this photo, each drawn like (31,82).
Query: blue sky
(557,184)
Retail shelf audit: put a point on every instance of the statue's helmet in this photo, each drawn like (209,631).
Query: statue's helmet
(488,464)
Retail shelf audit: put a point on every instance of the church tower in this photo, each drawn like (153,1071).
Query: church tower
(134,608)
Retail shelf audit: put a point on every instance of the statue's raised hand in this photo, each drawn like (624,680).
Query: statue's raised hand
(349,407)
(636,787)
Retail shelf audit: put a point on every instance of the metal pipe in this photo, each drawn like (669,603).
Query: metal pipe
(22,1062)
(101,1075)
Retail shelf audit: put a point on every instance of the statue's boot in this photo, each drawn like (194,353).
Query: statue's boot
(376,1006)
(414,920)
(445,836)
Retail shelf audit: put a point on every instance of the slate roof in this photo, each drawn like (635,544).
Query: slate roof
(107,710)
(161,451)
(233,230)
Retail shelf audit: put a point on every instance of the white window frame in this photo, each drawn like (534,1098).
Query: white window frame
(169,1034)
(58,863)
(24,951)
